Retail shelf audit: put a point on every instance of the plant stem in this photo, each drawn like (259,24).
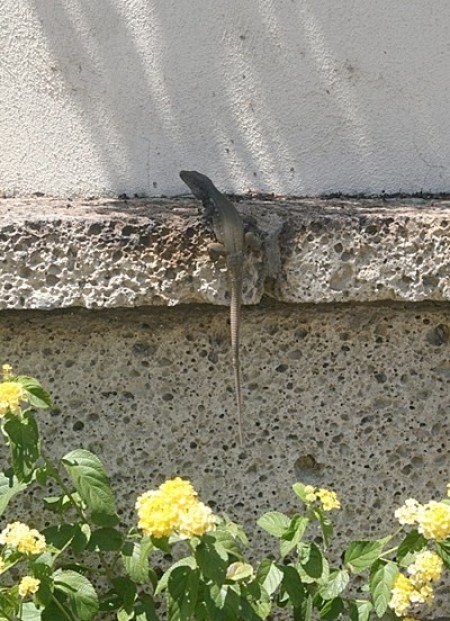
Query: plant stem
(62,609)
(55,473)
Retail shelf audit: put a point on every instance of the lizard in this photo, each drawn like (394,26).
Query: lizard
(229,232)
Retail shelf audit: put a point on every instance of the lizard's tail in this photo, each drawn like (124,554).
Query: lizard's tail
(235,320)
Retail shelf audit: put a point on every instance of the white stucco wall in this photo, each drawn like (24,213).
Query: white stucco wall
(100,97)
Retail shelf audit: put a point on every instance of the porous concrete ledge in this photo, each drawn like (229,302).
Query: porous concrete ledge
(125,253)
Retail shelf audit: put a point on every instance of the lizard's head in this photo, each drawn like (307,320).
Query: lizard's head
(200,185)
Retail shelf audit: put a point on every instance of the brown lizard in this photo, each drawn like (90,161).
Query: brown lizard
(229,231)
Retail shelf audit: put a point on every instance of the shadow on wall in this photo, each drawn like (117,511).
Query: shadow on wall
(292,96)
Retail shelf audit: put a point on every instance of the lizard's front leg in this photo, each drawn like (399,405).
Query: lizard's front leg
(216,250)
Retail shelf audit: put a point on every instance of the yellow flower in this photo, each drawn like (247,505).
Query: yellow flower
(11,394)
(427,567)
(328,499)
(24,539)
(448,489)
(157,517)
(422,595)
(28,586)
(197,520)
(434,520)
(310,493)
(7,371)
(178,492)
(402,590)
(173,508)
(407,514)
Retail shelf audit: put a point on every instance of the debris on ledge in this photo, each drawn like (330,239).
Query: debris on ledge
(104,253)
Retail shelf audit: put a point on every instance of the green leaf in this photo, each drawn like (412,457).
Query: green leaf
(79,591)
(211,561)
(43,572)
(305,611)
(183,587)
(106,540)
(235,530)
(412,543)
(91,482)
(238,571)
(145,609)
(9,487)
(60,535)
(293,586)
(55,612)
(269,576)
(134,556)
(360,555)
(23,437)
(222,603)
(443,549)
(81,538)
(255,602)
(123,615)
(381,579)
(37,396)
(335,585)
(325,523)
(126,590)
(58,504)
(290,538)
(312,562)
(29,612)
(41,474)
(9,603)
(226,545)
(332,609)
(188,561)
(274,523)
(360,610)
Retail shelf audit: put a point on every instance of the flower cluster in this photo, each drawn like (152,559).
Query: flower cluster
(24,539)
(432,519)
(328,498)
(28,586)
(173,509)
(417,588)
(11,394)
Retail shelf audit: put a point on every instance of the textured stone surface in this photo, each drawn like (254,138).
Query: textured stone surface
(106,254)
(352,397)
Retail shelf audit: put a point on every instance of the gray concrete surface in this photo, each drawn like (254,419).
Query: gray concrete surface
(112,253)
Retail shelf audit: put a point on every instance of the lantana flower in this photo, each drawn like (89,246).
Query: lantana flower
(427,567)
(402,590)
(434,520)
(25,539)
(407,592)
(28,586)
(11,395)
(328,498)
(173,508)
(407,514)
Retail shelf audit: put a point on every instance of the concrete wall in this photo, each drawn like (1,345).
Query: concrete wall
(353,398)
(345,348)
(286,96)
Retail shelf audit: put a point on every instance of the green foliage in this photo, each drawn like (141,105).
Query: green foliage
(92,567)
